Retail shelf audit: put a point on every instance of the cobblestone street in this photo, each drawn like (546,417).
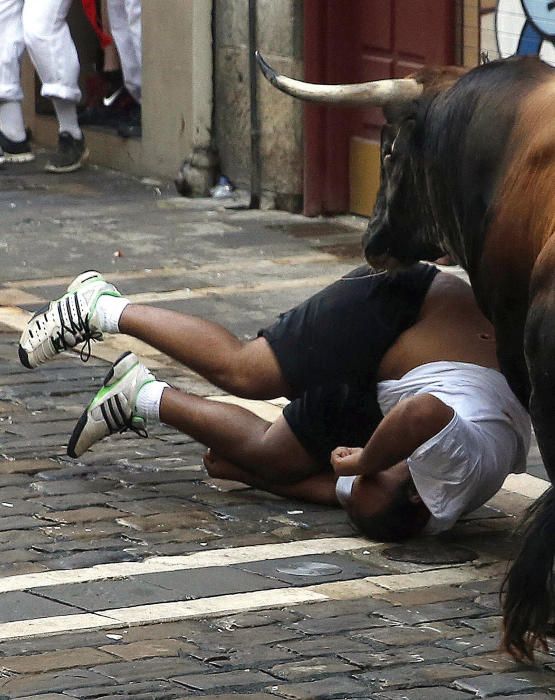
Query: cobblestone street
(130,573)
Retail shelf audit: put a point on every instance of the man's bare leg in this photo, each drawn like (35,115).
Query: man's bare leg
(250,369)
(269,451)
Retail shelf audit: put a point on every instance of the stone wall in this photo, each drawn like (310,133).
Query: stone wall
(280,32)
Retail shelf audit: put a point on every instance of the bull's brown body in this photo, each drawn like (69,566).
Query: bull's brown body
(468,168)
(493,210)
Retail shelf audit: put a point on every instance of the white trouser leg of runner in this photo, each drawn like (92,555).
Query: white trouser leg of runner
(51,47)
(125,25)
(11,50)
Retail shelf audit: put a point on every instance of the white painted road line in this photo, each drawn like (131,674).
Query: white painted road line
(525,485)
(242,602)
(198,560)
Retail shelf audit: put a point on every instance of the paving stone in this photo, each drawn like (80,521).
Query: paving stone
(492,662)
(147,690)
(210,581)
(39,683)
(323,689)
(256,619)
(243,694)
(424,596)
(435,692)
(84,515)
(26,466)
(360,606)
(311,569)
(507,683)
(47,696)
(54,660)
(20,568)
(65,486)
(149,648)
(167,521)
(81,531)
(18,555)
(325,646)
(19,605)
(336,624)
(146,669)
(473,645)
(83,560)
(222,640)
(103,595)
(309,669)
(20,522)
(411,676)
(224,679)
(393,657)
(400,635)
(255,656)
(447,610)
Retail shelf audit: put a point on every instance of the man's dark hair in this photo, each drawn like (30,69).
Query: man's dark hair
(397,522)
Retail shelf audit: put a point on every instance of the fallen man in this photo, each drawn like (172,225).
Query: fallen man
(401,369)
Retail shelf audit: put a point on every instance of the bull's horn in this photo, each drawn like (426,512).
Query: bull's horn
(378,92)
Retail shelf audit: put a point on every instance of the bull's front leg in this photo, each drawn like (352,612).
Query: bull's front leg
(529,597)
(509,323)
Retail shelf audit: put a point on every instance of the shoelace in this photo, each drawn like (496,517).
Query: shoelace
(81,327)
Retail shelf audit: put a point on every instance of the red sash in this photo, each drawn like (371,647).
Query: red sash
(89,6)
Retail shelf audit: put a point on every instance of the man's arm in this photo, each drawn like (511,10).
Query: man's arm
(407,426)
(318,488)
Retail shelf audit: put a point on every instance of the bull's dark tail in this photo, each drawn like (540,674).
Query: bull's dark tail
(527,592)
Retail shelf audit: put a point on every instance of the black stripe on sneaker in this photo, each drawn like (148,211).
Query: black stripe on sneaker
(107,419)
(116,417)
(121,410)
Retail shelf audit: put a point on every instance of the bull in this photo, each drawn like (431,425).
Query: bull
(468,169)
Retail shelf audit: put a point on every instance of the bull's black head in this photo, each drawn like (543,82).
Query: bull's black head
(399,231)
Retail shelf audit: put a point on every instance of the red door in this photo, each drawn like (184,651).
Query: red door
(356,41)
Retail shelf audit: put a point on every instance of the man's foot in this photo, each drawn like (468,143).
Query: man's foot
(131,127)
(66,322)
(113,408)
(2,159)
(70,156)
(16,151)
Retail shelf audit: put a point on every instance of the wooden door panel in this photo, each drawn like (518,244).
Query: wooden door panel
(362,40)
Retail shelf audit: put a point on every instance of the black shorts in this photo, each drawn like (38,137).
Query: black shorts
(330,347)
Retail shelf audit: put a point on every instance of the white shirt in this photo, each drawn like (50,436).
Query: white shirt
(466,463)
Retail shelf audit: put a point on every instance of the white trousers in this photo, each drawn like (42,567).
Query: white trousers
(125,27)
(39,25)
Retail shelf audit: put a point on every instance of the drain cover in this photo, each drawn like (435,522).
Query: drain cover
(430,553)
(310,568)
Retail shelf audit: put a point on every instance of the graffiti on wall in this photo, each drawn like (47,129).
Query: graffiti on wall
(524,27)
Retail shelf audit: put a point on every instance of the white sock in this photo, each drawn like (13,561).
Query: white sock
(66,111)
(108,310)
(148,400)
(11,120)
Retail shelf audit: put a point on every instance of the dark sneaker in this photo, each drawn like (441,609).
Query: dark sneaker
(16,151)
(112,410)
(2,159)
(71,154)
(131,128)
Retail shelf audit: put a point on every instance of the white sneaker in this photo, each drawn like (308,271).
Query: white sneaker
(66,322)
(112,410)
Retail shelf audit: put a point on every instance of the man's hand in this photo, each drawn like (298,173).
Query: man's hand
(346,460)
